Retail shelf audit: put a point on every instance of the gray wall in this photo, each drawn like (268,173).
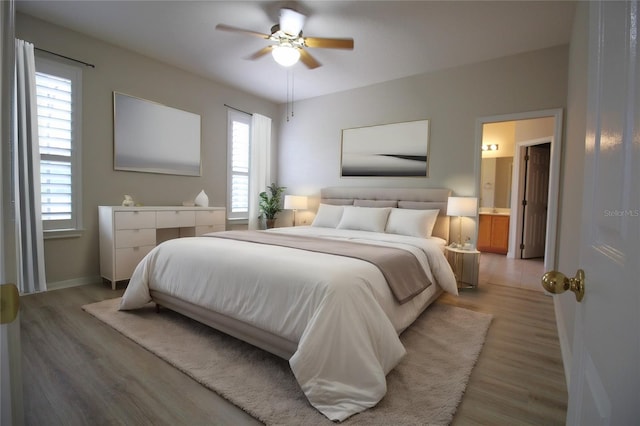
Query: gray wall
(309,150)
(309,144)
(73,260)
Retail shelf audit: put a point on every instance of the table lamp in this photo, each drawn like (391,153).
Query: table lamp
(295,202)
(462,207)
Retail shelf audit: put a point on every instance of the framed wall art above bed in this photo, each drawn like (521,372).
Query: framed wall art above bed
(397,149)
(154,138)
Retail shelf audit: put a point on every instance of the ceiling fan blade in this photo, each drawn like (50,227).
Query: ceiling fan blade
(329,43)
(308,60)
(291,21)
(223,27)
(260,53)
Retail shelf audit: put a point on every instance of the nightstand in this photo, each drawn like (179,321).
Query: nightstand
(465,265)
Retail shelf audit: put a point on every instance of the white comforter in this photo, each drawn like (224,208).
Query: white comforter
(340,310)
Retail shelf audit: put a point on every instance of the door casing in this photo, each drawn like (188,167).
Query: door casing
(554,173)
(517,191)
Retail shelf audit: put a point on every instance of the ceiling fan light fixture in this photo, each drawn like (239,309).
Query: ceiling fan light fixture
(285,55)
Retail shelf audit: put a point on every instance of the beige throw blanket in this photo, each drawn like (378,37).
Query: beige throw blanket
(401,269)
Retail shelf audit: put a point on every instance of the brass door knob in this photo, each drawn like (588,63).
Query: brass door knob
(556,282)
(9,303)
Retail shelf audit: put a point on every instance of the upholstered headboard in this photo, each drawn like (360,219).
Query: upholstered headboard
(404,198)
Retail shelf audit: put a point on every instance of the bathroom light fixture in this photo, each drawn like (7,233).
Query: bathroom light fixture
(490,147)
(285,54)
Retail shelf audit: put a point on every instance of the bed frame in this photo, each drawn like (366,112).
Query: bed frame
(408,198)
(404,198)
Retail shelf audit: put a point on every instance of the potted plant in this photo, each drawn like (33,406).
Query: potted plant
(270,203)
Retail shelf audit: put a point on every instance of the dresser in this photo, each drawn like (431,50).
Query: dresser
(127,234)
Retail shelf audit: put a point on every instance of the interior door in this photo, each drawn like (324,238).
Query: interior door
(11,407)
(11,410)
(605,377)
(536,195)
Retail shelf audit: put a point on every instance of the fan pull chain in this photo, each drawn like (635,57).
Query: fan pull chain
(290,93)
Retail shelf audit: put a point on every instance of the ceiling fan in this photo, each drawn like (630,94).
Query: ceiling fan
(290,44)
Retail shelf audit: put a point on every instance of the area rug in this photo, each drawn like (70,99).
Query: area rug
(425,388)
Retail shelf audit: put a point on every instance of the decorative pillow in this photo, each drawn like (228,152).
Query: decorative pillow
(375,203)
(364,218)
(328,216)
(414,223)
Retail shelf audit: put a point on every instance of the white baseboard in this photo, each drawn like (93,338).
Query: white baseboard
(565,345)
(75,282)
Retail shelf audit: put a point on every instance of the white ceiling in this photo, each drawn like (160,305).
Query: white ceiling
(393,39)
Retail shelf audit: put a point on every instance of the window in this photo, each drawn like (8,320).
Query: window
(58,96)
(239,136)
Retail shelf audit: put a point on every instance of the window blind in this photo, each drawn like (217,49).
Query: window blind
(54,99)
(240,167)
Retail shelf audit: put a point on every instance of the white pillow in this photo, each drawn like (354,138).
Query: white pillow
(364,218)
(414,223)
(328,216)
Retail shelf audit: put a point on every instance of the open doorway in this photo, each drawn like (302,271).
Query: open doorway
(534,132)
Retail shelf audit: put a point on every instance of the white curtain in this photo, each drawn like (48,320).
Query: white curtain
(260,173)
(26,175)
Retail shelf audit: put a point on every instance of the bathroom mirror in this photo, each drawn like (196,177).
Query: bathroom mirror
(495,185)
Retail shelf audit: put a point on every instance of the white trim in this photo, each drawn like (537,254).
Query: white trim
(11,397)
(563,337)
(554,172)
(75,282)
(517,188)
(52,234)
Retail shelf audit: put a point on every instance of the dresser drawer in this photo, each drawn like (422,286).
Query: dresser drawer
(135,237)
(210,217)
(127,259)
(127,234)
(135,220)
(175,218)
(205,229)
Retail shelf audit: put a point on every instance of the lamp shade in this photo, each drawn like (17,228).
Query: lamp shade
(295,202)
(462,206)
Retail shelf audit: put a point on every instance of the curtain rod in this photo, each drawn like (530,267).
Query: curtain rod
(65,57)
(239,110)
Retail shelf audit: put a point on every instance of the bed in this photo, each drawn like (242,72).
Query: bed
(336,318)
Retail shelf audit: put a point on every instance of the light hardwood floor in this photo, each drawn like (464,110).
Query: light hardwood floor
(521,273)
(79,371)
